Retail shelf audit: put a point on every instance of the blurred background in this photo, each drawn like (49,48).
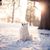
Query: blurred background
(22,11)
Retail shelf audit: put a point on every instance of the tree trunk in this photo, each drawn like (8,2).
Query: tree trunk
(13,11)
(45,19)
(0,2)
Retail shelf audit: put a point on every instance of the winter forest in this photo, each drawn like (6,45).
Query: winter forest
(24,24)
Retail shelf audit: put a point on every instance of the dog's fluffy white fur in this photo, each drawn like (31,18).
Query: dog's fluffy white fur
(24,34)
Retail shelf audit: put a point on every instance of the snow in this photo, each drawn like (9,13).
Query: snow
(10,38)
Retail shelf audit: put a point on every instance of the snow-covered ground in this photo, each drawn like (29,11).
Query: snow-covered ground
(10,38)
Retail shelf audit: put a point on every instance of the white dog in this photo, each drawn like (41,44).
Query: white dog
(24,34)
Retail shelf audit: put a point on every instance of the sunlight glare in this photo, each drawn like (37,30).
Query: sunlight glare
(40,8)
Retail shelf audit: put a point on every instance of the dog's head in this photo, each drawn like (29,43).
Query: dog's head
(24,24)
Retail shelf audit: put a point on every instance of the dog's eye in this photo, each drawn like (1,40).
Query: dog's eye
(22,24)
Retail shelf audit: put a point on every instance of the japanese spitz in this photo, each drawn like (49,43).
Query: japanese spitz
(24,33)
